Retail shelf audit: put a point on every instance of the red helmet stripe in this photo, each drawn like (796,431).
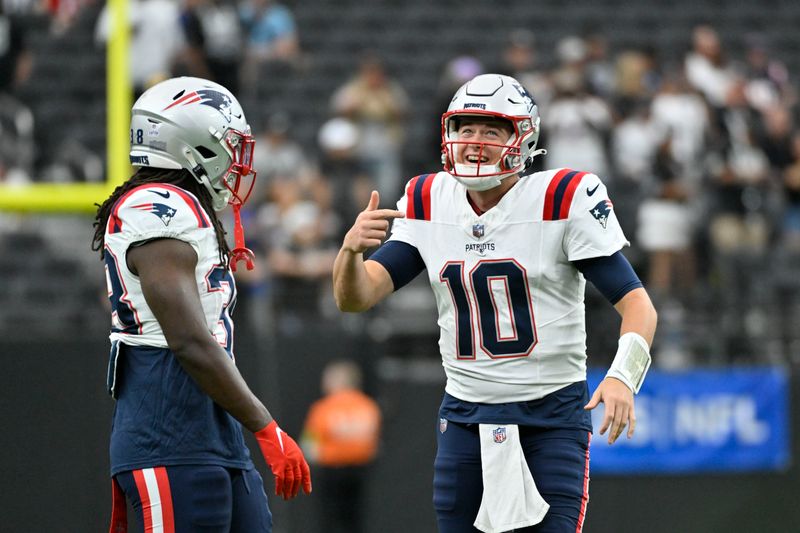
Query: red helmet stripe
(183,99)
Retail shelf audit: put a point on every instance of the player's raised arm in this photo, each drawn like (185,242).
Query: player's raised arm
(359,285)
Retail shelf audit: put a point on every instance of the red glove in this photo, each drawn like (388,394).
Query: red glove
(286,461)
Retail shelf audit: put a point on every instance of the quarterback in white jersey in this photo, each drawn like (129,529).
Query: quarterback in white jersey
(507,256)
(510,302)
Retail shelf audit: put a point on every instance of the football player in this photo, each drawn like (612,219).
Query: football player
(507,256)
(177,450)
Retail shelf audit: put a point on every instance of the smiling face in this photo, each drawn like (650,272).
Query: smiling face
(489,136)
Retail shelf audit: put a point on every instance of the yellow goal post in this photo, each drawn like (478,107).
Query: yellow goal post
(81,197)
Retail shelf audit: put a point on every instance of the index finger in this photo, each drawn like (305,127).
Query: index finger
(631,422)
(388,213)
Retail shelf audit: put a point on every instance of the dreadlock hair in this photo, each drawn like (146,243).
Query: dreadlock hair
(144,175)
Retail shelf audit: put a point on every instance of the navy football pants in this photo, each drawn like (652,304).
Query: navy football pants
(557,458)
(197,499)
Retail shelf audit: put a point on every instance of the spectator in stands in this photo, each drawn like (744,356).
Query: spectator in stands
(634,144)
(15,55)
(214,40)
(790,228)
(637,74)
(298,232)
(578,124)
(739,179)
(272,46)
(341,168)
(377,104)
(278,157)
(16,119)
(666,233)
(600,75)
(668,219)
(340,440)
(157,40)
(707,68)
(271,31)
(519,59)
(768,81)
(683,118)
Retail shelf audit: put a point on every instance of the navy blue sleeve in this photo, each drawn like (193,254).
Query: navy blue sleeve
(401,260)
(612,275)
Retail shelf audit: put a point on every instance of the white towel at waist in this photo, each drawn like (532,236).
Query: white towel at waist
(510,499)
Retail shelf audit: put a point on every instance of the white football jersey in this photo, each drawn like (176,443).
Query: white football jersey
(156,211)
(510,302)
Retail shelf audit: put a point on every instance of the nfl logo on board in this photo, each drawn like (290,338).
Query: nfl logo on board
(499,435)
(477,230)
(442,425)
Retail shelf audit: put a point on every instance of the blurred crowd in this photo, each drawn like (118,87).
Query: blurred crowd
(701,155)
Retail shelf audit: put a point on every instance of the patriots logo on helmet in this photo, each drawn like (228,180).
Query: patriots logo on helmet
(219,101)
(499,435)
(526,96)
(163,212)
(601,212)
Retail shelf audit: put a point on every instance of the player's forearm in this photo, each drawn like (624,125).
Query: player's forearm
(351,283)
(217,375)
(638,315)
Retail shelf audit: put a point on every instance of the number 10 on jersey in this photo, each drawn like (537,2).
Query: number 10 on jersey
(498,290)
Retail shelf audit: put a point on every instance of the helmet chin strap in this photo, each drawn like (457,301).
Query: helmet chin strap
(240,252)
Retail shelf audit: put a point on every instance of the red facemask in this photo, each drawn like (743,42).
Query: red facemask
(239,180)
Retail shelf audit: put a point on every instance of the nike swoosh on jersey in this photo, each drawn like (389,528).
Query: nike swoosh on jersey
(591,191)
(164,194)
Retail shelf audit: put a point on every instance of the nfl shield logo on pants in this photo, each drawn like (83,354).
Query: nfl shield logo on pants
(442,425)
(499,435)
(477,230)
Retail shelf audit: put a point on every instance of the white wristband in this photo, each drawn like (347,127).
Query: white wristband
(631,361)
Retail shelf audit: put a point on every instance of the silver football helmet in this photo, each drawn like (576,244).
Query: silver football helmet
(491,96)
(198,125)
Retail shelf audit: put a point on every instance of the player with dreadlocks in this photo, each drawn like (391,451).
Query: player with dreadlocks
(177,450)
(145,176)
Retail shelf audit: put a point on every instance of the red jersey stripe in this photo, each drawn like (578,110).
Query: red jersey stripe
(410,197)
(551,192)
(566,202)
(426,195)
